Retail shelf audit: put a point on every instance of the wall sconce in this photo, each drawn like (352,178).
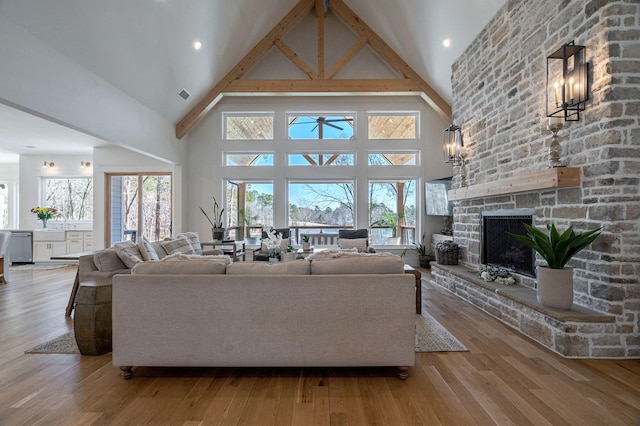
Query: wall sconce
(47,165)
(452,144)
(567,82)
(84,164)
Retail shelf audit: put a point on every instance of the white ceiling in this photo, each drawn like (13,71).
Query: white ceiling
(144,48)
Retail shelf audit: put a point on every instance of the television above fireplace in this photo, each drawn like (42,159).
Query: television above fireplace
(499,248)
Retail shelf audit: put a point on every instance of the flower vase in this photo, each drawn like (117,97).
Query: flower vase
(44,223)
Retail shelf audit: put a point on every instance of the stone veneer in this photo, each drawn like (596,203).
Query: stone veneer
(499,101)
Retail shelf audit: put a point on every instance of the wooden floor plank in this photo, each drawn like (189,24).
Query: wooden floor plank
(504,378)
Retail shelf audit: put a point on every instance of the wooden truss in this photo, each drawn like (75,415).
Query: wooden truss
(320,80)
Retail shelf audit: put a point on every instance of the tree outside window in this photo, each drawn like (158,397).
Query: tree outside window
(73,197)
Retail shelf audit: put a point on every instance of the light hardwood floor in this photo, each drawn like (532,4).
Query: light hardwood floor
(503,379)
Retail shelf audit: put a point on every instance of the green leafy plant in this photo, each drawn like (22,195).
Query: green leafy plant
(555,248)
(422,248)
(217,215)
(305,238)
(389,220)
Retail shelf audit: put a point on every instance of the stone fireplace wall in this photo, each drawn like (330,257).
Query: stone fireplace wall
(499,101)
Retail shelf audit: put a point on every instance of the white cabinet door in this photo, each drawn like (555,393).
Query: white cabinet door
(75,246)
(58,249)
(41,252)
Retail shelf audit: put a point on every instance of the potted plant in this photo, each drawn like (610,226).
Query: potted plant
(217,231)
(306,245)
(424,253)
(289,255)
(390,220)
(555,282)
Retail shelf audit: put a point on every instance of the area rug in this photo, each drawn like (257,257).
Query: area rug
(65,344)
(41,266)
(431,336)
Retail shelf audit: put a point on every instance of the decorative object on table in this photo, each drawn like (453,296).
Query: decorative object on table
(424,253)
(45,213)
(288,255)
(555,282)
(391,221)
(306,245)
(555,124)
(496,274)
(273,242)
(217,231)
(447,253)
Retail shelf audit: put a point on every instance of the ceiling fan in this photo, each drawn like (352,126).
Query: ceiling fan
(323,121)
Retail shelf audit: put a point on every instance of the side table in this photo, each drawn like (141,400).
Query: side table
(410,270)
(92,320)
(235,249)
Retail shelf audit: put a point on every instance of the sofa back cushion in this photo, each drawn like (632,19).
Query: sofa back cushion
(128,252)
(194,240)
(183,267)
(107,260)
(296,267)
(358,263)
(178,245)
(146,250)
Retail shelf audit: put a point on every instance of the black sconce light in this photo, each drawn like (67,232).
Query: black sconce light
(567,82)
(452,144)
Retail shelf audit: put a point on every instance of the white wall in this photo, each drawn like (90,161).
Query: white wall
(204,178)
(10,173)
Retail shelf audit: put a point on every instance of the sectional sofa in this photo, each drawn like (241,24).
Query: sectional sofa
(346,310)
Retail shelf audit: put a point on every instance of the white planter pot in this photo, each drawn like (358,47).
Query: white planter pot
(274,260)
(393,241)
(555,287)
(306,246)
(288,256)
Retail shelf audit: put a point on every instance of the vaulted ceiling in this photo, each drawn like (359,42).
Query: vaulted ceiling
(144,48)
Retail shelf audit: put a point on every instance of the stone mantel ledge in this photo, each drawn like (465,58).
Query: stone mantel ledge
(527,297)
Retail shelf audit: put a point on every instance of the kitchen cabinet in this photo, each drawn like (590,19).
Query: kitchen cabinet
(42,250)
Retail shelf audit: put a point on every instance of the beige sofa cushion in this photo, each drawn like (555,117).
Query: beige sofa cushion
(359,263)
(296,267)
(186,267)
(178,245)
(146,250)
(194,240)
(128,252)
(226,259)
(160,251)
(108,260)
(359,243)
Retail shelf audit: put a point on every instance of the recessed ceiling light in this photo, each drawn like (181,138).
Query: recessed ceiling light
(197,45)
(446,42)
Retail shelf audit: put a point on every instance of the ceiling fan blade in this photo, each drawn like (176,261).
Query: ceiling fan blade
(332,125)
(303,122)
(338,119)
(314,127)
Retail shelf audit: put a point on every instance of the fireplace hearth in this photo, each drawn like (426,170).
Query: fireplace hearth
(499,248)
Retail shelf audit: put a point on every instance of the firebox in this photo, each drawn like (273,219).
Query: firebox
(498,248)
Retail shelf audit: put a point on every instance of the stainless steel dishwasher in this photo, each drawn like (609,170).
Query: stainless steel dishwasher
(21,247)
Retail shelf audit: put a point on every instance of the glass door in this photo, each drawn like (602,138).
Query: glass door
(139,205)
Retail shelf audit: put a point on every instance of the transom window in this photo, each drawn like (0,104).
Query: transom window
(248,126)
(320,159)
(392,126)
(320,126)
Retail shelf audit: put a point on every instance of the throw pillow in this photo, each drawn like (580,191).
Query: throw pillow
(146,250)
(194,240)
(358,243)
(108,260)
(128,252)
(179,245)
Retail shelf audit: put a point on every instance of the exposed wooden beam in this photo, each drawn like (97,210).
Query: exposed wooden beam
(309,159)
(295,15)
(297,60)
(320,13)
(394,60)
(353,51)
(329,86)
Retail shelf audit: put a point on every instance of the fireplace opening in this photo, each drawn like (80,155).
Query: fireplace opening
(498,248)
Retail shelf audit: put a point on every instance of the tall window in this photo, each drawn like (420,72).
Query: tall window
(321,204)
(139,204)
(72,196)
(392,211)
(249,208)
